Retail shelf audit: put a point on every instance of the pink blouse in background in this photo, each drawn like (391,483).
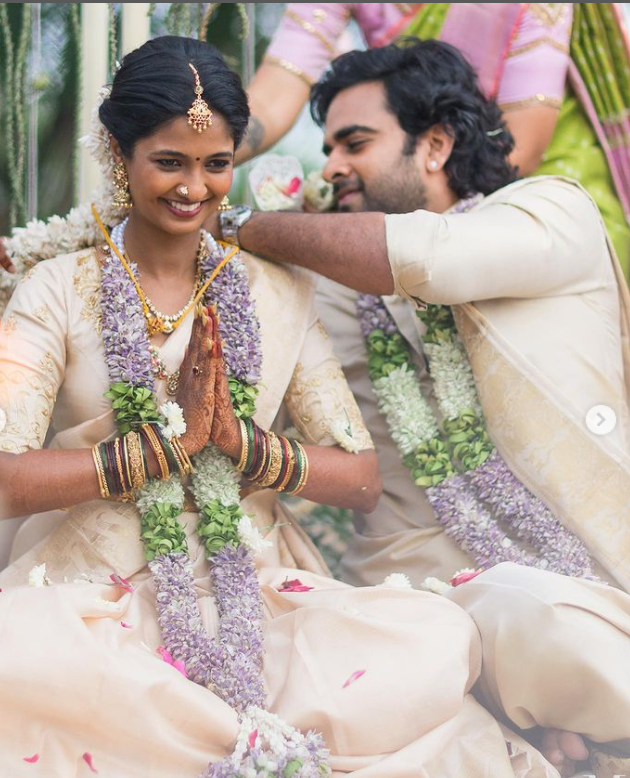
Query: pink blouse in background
(535,68)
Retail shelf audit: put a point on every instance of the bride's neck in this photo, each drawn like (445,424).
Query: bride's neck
(160,254)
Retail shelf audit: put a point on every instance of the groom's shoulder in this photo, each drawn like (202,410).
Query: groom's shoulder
(554,192)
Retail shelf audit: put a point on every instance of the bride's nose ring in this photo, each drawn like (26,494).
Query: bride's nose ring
(182,190)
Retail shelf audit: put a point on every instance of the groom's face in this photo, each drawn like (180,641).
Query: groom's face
(370,161)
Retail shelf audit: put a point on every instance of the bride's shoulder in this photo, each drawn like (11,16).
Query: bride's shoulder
(62,266)
(283,277)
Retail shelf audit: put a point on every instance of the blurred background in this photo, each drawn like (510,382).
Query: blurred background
(49,74)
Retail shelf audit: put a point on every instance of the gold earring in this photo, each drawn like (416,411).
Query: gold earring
(122,198)
(225,204)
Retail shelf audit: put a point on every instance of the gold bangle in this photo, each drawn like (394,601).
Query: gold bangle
(265,461)
(244,446)
(100,472)
(290,465)
(158,451)
(125,496)
(138,475)
(125,453)
(275,466)
(304,475)
(186,466)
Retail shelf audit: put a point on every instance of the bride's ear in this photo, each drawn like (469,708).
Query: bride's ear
(115,149)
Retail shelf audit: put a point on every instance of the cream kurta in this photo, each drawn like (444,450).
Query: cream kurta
(75,680)
(545,323)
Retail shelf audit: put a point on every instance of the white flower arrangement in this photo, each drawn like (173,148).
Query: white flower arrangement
(409,416)
(319,194)
(215,478)
(250,536)
(37,577)
(435,585)
(170,492)
(342,433)
(175,425)
(454,383)
(396,581)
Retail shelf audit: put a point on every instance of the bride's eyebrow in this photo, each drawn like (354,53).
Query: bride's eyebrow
(180,155)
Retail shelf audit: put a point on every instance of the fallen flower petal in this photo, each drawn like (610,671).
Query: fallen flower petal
(87,758)
(463,576)
(122,582)
(176,663)
(251,741)
(125,625)
(294,586)
(354,677)
(294,186)
(32,759)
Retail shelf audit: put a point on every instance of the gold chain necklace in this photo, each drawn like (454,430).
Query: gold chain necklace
(157,321)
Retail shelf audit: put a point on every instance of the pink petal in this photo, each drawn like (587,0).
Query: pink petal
(251,741)
(354,677)
(122,582)
(176,663)
(463,578)
(125,625)
(87,758)
(293,186)
(294,586)
(32,759)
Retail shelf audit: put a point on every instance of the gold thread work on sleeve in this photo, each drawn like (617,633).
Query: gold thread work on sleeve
(546,40)
(286,65)
(308,27)
(551,102)
(87,284)
(549,14)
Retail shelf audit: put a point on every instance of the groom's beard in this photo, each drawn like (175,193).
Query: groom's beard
(398,191)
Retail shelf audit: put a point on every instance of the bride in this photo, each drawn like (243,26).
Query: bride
(178,622)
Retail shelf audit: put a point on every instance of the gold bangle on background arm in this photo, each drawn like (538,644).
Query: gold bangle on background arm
(180,452)
(304,475)
(100,472)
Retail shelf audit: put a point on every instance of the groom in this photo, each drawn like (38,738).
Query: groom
(535,291)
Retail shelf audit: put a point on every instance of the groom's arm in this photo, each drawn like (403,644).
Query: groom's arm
(350,248)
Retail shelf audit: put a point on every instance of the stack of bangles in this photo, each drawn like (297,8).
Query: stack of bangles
(272,461)
(121,465)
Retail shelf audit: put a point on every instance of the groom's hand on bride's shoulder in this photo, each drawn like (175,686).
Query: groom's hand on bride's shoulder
(5,260)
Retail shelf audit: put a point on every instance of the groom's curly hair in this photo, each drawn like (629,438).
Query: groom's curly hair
(427,83)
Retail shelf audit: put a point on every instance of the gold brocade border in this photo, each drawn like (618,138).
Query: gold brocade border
(548,448)
(308,27)
(551,102)
(284,63)
(544,41)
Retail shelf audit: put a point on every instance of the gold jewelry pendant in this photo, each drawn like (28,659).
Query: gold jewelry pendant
(122,197)
(172,384)
(225,204)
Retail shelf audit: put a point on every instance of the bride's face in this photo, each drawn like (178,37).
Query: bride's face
(176,158)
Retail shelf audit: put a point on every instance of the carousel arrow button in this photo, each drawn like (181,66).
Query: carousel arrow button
(601,420)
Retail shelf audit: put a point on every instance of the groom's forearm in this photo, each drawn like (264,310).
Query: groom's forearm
(348,247)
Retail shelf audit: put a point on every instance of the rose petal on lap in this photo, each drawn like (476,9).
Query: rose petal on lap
(251,741)
(354,677)
(32,759)
(122,582)
(125,625)
(176,663)
(87,758)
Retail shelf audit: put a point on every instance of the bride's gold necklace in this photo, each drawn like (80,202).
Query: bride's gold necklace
(157,321)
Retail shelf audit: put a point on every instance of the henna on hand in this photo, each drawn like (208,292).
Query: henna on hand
(196,393)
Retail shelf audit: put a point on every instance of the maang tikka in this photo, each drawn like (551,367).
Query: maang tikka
(199,113)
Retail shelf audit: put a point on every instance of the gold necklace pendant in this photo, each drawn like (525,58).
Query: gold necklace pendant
(155,325)
(172,384)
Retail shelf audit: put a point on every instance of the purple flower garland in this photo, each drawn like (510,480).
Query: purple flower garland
(231,665)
